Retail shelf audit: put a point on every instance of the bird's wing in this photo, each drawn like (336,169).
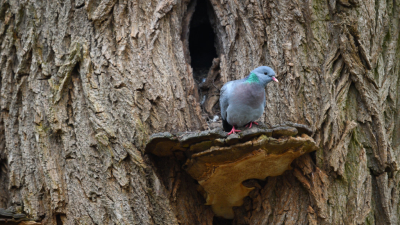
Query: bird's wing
(224,98)
(264,101)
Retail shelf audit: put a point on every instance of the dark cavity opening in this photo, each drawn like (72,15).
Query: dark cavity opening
(4,181)
(221,221)
(4,194)
(201,40)
(59,219)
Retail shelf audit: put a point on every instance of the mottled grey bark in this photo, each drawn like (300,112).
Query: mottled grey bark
(84,84)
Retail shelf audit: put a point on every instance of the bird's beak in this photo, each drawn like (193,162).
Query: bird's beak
(274,79)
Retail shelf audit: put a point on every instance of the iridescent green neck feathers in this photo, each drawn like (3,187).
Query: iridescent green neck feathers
(253,78)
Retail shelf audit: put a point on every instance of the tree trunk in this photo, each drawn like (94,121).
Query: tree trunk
(85,83)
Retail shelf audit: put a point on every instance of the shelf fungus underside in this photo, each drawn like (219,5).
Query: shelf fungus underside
(221,163)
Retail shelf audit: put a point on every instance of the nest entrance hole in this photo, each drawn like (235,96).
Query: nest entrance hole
(201,40)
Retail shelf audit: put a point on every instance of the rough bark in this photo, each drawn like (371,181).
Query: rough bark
(85,83)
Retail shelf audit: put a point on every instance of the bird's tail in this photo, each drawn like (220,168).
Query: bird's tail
(226,125)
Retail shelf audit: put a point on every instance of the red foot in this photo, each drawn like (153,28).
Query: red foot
(233,130)
(251,124)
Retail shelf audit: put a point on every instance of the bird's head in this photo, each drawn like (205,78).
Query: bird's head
(267,74)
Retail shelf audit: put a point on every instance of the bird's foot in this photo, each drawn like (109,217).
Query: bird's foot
(233,130)
(251,124)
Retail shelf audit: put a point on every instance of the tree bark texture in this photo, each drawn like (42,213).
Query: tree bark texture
(85,83)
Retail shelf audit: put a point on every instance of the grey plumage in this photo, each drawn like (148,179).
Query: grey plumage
(243,101)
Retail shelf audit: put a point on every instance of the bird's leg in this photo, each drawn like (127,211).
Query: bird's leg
(233,130)
(251,124)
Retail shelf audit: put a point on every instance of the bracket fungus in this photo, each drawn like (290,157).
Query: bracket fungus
(221,163)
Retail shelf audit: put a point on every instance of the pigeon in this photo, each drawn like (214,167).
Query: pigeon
(243,101)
